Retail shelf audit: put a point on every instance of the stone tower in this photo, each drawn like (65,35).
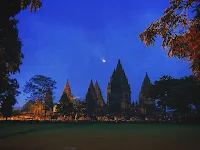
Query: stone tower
(67,90)
(118,91)
(146,104)
(100,101)
(108,91)
(91,100)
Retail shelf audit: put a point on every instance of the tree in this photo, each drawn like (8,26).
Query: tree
(10,44)
(27,105)
(10,50)
(133,105)
(179,28)
(10,8)
(91,100)
(7,99)
(160,91)
(48,99)
(41,88)
(195,94)
(186,93)
(79,106)
(64,106)
(180,96)
(37,87)
(16,112)
(136,104)
(34,4)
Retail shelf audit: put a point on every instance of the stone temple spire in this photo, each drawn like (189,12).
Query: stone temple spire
(100,100)
(145,102)
(118,91)
(67,90)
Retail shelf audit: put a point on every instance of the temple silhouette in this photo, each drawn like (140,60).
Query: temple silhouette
(118,98)
(118,92)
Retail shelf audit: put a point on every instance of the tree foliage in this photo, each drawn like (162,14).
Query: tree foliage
(10,52)
(10,44)
(38,86)
(64,106)
(7,98)
(27,105)
(161,89)
(177,94)
(186,93)
(180,96)
(48,100)
(179,28)
(34,4)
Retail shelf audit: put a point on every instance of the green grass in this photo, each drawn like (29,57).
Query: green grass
(99,137)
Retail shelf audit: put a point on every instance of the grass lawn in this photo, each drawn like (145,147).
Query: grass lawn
(99,137)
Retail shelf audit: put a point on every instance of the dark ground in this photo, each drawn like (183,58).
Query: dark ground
(99,137)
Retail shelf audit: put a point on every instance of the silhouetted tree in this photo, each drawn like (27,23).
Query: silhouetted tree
(27,105)
(136,104)
(37,87)
(8,99)
(16,112)
(132,108)
(63,104)
(10,43)
(48,101)
(78,106)
(133,104)
(180,33)
(10,8)
(137,107)
(184,94)
(34,4)
(161,90)
(195,94)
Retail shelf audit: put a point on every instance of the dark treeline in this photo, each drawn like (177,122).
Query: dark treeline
(181,95)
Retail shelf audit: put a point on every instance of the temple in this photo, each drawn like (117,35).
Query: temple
(146,104)
(118,91)
(67,90)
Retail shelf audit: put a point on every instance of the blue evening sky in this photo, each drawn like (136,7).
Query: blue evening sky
(67,39)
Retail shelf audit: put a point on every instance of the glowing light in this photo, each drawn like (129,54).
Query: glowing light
(103,60)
